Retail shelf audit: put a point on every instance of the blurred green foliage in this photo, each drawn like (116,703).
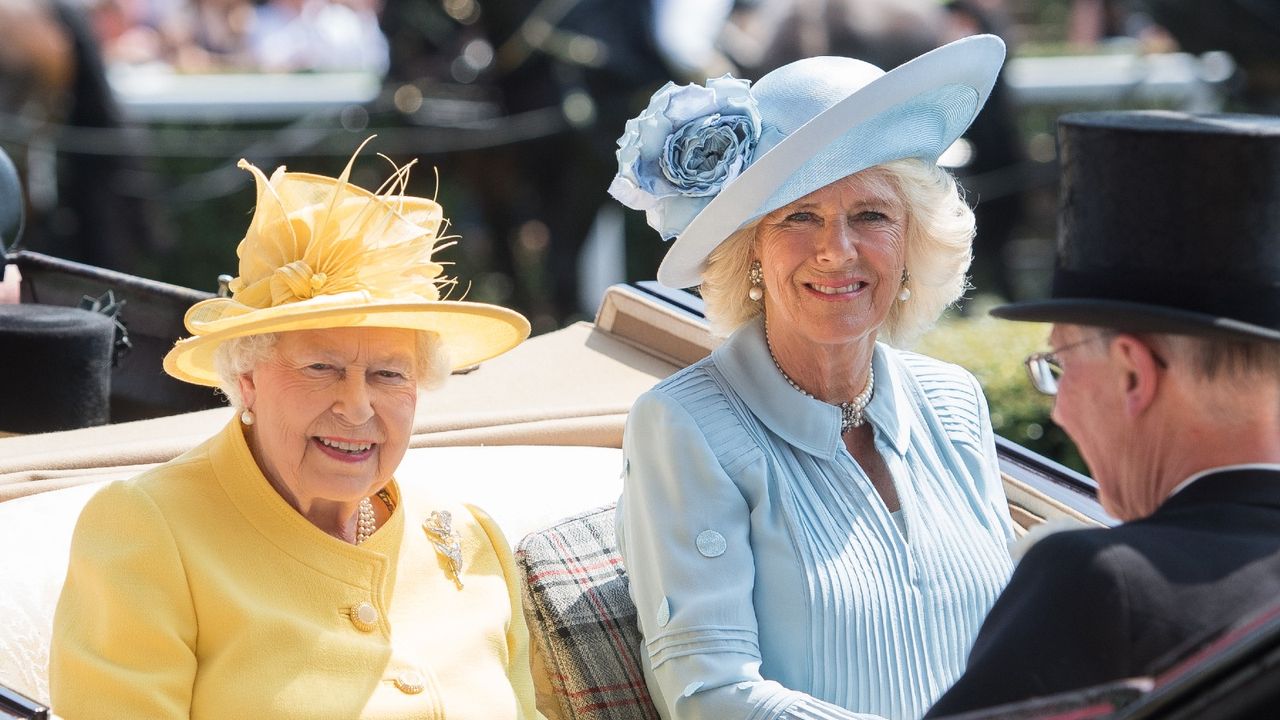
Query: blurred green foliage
(993,350)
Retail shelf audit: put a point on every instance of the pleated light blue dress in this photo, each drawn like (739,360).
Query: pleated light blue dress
(769,577)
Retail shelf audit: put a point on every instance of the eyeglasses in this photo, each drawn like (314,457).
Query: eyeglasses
(1044,369)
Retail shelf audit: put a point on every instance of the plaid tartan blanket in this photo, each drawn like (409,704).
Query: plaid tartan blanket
(582,619)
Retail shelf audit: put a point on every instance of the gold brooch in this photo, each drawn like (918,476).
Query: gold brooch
(439,526)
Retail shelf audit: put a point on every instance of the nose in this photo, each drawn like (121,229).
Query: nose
(354,404)
(836,244)
(1055,412)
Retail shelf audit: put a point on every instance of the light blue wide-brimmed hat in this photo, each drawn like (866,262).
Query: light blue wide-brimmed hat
(703,162)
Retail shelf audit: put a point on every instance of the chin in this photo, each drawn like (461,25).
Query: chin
(838,333)
(349,487)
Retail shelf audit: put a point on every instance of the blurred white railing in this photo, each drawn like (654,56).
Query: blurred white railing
(1181,80)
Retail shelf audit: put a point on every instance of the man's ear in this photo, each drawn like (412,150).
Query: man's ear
(1138,370)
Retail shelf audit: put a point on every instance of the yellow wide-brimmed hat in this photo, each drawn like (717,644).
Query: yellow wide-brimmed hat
(322,253)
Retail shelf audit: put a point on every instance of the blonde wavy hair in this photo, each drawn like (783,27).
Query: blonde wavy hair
(939,243)
(239,355)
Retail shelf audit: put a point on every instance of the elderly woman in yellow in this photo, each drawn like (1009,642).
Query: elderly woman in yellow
(279,570)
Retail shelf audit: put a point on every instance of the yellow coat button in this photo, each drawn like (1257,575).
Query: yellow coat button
(410,682)
(364,616)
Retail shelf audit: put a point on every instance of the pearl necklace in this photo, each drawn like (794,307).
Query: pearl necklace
(852,413)
(364,521)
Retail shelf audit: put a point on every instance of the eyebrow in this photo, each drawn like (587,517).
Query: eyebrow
(327,355)
(396,360)
(392,357)
(876,200)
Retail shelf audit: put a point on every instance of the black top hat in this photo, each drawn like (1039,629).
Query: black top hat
(55,366)
(1168,222)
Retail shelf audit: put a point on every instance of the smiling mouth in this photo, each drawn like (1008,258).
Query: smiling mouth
(349,448)
(837,290)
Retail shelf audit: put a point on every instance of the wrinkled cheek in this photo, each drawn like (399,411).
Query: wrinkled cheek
(406,414)
(389,459)
(780,301)
(400,427)
(882,301)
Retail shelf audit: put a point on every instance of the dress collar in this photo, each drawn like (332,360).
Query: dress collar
(240,478)
(802,421)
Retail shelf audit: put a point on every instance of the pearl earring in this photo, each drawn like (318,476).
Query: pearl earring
(756,275)
(905,293)
(246,417)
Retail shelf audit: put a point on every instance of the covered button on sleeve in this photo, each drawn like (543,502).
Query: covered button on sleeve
(710,543)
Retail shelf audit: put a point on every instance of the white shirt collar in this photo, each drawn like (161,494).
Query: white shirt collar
(1224,468)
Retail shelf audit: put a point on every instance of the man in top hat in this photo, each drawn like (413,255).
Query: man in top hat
(1165,364)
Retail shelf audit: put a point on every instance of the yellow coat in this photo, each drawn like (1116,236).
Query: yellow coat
(195,590)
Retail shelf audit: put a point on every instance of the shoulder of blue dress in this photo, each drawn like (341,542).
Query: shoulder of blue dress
(702,392)
(950,390)
(692,373)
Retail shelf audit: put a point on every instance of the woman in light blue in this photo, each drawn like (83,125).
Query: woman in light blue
(812,520)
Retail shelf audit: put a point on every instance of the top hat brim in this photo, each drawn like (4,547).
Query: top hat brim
(471,332)
(1133,317)
(955,79)
(1167,223)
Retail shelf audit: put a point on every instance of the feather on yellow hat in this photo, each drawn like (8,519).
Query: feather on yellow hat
(322,253)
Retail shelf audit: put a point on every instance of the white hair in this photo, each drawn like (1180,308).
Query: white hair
(239,355)
(939,243)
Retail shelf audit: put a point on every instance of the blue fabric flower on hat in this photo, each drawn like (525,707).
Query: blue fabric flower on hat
(677,154)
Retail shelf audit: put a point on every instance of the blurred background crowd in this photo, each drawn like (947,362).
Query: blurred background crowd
(126,116)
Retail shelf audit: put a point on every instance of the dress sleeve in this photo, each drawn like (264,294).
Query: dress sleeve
(684,533)
(518,670)
(124,631)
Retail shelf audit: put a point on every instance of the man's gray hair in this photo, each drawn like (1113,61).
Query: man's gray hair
(1220,359)
(1233,362)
